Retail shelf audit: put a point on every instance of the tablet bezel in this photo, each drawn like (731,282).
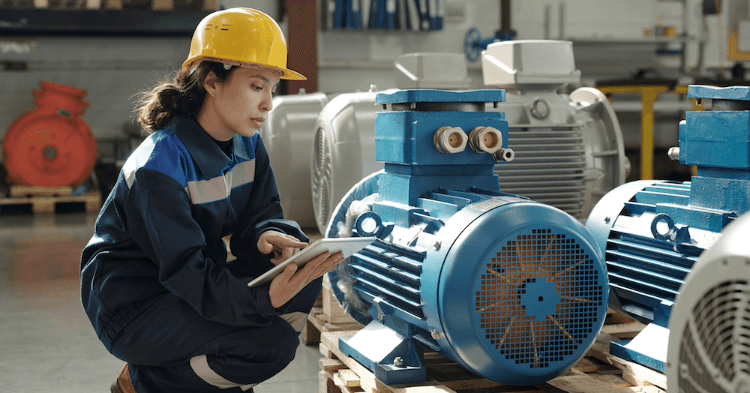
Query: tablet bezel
(347,246)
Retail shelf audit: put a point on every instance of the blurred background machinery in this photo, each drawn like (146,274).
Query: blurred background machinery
(288,137)
(344,149)
(513,290)
(709,330)
(652,232)
(570,145)
(474,43)
(570,149)
(51,145)
(320,145)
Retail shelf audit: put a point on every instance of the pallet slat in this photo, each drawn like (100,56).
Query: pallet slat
(632,372)
(317,323)
(17,190)
(347,378)
(46,204)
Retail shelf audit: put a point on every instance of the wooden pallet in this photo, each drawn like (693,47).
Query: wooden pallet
(18,190)
(327,316)
(332,311)
(46,199)
(597,372)
(317,324)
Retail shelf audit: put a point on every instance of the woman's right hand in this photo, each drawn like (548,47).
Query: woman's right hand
(293,279)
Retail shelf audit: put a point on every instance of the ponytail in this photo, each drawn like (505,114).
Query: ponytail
(183,96)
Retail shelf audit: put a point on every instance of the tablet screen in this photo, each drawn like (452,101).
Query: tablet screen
(347,246)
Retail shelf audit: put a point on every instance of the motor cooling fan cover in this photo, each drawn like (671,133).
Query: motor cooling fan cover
(709,329)
(523,293)
(321,178)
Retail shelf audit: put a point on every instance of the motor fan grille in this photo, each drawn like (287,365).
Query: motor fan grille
(321,178)
(721,323)
(540,298)
(693,375)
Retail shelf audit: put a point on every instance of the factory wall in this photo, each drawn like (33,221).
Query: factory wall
(112,69)
(115,69)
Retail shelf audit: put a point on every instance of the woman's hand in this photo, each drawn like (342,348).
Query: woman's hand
(282,245)
(292,279)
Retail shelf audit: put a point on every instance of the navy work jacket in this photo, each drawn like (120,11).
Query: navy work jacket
(160,231)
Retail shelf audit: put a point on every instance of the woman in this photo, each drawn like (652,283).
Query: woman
(156,283)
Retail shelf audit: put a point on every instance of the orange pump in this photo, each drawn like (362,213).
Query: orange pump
(50,145)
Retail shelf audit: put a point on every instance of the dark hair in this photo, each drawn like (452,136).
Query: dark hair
(184,95)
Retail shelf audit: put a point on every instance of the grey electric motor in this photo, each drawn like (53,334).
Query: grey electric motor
(570,149)
(709,329)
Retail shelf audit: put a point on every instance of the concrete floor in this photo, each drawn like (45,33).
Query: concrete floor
(46,342)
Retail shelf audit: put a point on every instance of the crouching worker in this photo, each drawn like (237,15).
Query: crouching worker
(155,280)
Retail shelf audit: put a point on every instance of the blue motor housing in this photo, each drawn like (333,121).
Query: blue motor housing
(511,289)
(652,232)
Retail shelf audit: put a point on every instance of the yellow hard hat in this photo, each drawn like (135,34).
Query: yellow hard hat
(241,37)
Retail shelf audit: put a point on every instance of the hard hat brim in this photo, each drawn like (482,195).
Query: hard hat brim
(292,75)
(285,73)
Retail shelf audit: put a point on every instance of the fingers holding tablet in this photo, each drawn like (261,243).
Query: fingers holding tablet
(291,281)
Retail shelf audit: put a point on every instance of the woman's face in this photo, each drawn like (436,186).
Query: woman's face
(240,104)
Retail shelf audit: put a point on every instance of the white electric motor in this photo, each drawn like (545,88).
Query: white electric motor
(709,329)
(288,134)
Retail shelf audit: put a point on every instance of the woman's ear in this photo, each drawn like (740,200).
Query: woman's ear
(211,83)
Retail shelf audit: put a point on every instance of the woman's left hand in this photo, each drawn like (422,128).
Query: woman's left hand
(291,281)
(282,245)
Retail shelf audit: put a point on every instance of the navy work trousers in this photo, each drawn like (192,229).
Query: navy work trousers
(171,348)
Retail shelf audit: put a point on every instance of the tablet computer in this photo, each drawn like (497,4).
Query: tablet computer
(347,246)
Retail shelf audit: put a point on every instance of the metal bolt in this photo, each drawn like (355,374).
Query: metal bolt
(674,153)
(606,220)
(398,361)
(435,335)
(380,316)
(437,245)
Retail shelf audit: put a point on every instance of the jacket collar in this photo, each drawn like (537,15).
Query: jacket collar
(210,159)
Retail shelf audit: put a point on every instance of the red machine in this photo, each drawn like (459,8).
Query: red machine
(50,145)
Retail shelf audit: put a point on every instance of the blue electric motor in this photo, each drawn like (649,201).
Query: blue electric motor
(511,289)
(652,232)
